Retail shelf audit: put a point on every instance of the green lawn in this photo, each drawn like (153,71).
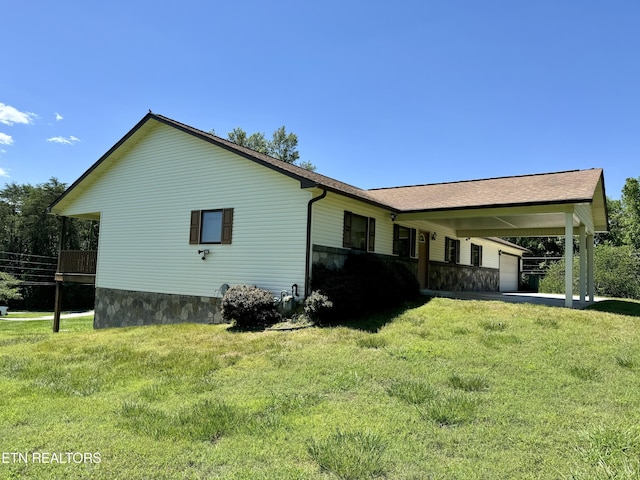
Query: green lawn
(450,389)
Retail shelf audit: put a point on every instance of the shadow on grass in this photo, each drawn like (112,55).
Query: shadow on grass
(372,322)
(620,307)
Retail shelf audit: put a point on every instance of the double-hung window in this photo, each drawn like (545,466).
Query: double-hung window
(358,233)
(476,255)
(404,241)
(451,250)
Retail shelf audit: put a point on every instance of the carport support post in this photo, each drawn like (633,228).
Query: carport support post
(583,263)
(568,260)
(590,268)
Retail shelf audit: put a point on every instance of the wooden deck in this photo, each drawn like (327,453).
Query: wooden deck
(74,266)
(77,266)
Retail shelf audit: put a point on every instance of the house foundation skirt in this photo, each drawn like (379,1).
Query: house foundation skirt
(127,308)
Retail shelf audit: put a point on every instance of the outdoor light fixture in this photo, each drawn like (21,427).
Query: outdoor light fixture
(204,253)
(434,235)
(393,217)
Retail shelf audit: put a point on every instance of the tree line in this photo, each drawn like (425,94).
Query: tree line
(29,235)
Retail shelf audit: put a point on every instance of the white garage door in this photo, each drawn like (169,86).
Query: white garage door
(509,273)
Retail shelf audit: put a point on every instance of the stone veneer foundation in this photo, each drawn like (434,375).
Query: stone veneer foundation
(125,308)
(447,276)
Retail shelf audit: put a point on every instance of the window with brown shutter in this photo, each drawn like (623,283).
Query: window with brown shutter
(359,232)
(476,255)
(451,250)
(404,241)
(211,226)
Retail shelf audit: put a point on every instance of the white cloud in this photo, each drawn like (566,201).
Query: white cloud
(4,173)
(67,141)
(58,117)
(10,115)
(5,139)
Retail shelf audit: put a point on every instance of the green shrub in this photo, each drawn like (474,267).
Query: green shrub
(250,307)
(366,283)
(316,305)
(341,288)
(616,273)
(8,288)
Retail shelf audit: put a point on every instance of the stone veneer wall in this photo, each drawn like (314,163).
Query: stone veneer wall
(447,276)
(125,308)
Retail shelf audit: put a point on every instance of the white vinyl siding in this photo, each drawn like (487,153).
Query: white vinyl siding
(145,200)
(328,222)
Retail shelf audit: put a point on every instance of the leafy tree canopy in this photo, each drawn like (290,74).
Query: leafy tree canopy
(282,145)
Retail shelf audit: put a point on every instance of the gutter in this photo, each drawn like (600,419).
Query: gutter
(307,266)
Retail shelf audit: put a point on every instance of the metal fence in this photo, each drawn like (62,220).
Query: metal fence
(29,269)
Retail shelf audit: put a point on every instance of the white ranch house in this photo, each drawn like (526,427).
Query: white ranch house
(184,213)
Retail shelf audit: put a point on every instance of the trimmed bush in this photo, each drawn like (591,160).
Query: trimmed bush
(366,283)
(249,307)
(316,305)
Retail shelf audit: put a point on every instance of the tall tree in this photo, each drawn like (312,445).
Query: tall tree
(630,212)
(283,145)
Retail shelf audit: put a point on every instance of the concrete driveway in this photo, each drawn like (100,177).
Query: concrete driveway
(549,299)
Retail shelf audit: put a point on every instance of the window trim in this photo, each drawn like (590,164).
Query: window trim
(226,227)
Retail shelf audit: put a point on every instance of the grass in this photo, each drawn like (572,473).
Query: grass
(449,389)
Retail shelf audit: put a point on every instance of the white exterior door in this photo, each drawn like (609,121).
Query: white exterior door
(509,273)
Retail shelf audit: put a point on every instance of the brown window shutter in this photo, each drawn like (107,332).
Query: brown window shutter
(346,231)
(227,225)
(396,237)
(194,229)
(371,246)
(480,256)
(413,243)
(457,251)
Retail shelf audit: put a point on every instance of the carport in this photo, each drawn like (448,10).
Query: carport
(567,204)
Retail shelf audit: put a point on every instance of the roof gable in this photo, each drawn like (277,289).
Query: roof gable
(306,178)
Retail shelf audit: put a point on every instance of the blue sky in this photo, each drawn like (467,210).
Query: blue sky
(379,93)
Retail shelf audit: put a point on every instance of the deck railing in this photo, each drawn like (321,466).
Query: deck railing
(77,261)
